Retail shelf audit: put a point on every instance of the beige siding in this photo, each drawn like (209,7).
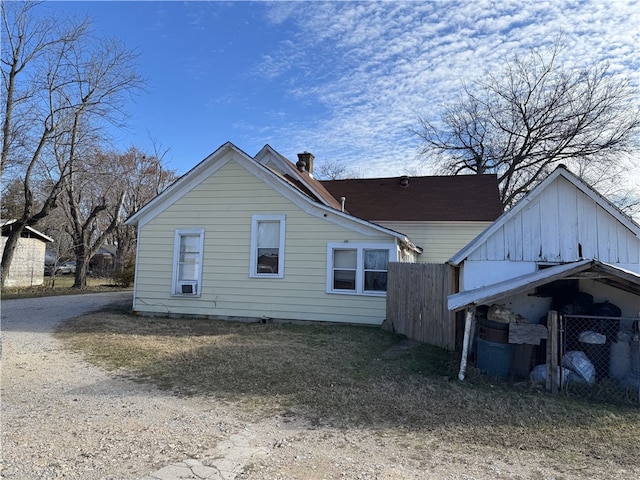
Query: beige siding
(561,224)
(223,205)
(439,240)
(27,267)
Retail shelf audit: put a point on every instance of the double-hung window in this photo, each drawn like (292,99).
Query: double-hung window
(358,268)
(267,246)
(187,262)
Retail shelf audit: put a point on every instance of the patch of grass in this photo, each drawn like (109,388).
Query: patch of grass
(62,285)
(343,376)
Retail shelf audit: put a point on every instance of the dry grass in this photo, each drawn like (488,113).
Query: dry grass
(342,376)
(61,285)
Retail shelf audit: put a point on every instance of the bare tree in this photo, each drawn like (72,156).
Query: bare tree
(93,207)
(534,114)
(61,85)
(333,171)
(142,177)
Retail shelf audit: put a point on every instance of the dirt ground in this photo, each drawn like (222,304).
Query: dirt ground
(65,418)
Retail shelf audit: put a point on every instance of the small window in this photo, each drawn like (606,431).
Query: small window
(187,262)
(359,269)
(267,246)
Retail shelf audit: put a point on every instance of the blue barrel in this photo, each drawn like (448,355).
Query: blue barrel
(494,359)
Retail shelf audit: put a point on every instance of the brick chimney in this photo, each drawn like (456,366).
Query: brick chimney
(305,162)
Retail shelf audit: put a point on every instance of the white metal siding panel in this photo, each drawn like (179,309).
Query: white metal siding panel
(482,273)
(223,205)
(439,240)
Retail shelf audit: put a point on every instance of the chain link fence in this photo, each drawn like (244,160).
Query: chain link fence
(600,357)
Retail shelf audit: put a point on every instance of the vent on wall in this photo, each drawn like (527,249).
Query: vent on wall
(189,288)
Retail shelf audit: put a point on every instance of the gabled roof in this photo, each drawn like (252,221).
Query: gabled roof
(436,198)
(591,269)
(31,232)
(301,180)
(560,171)
(305,198)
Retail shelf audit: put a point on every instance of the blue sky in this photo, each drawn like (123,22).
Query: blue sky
(343,80)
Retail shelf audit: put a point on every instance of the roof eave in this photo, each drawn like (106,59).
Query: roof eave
(488,294)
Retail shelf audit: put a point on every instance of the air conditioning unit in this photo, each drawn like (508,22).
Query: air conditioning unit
(188,288)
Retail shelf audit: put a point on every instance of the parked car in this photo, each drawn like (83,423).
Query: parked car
(67,267)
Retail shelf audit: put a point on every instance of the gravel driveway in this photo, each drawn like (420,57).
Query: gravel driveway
(62,418)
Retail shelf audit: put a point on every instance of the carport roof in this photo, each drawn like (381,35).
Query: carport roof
(588,269)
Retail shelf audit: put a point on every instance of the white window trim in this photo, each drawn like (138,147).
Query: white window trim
(175,291)
(253,256)
(359,247)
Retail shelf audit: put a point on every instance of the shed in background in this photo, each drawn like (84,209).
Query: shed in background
(27,267)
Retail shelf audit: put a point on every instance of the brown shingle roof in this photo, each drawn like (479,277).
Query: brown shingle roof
(436,198)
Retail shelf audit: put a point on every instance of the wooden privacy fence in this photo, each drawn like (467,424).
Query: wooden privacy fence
(417,302)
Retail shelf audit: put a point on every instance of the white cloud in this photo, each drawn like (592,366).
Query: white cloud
(376,65)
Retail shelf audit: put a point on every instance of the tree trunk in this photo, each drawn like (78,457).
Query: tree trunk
(9,248)
(82,264)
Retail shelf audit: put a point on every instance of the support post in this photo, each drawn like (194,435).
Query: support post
(552,352)
(468,323)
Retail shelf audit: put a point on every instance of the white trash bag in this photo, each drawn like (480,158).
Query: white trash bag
(581,367)
(539,375)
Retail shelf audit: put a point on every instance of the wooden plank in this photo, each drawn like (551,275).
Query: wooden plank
(531,231)
(622,237)
(529,334)
(587,227)
(511,234)
(495,245)
(567,221)
(604,247)
(552,352)
(549,234)
(417,302)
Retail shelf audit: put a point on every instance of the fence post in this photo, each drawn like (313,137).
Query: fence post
(552,352)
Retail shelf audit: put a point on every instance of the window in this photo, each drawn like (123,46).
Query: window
(375,270)
(267,246)
(187,262)
(345,267)
(358,268)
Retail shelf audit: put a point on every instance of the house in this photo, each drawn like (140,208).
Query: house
(27,267)
(560,243)
(243,237)
(440,213)
(103,260)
